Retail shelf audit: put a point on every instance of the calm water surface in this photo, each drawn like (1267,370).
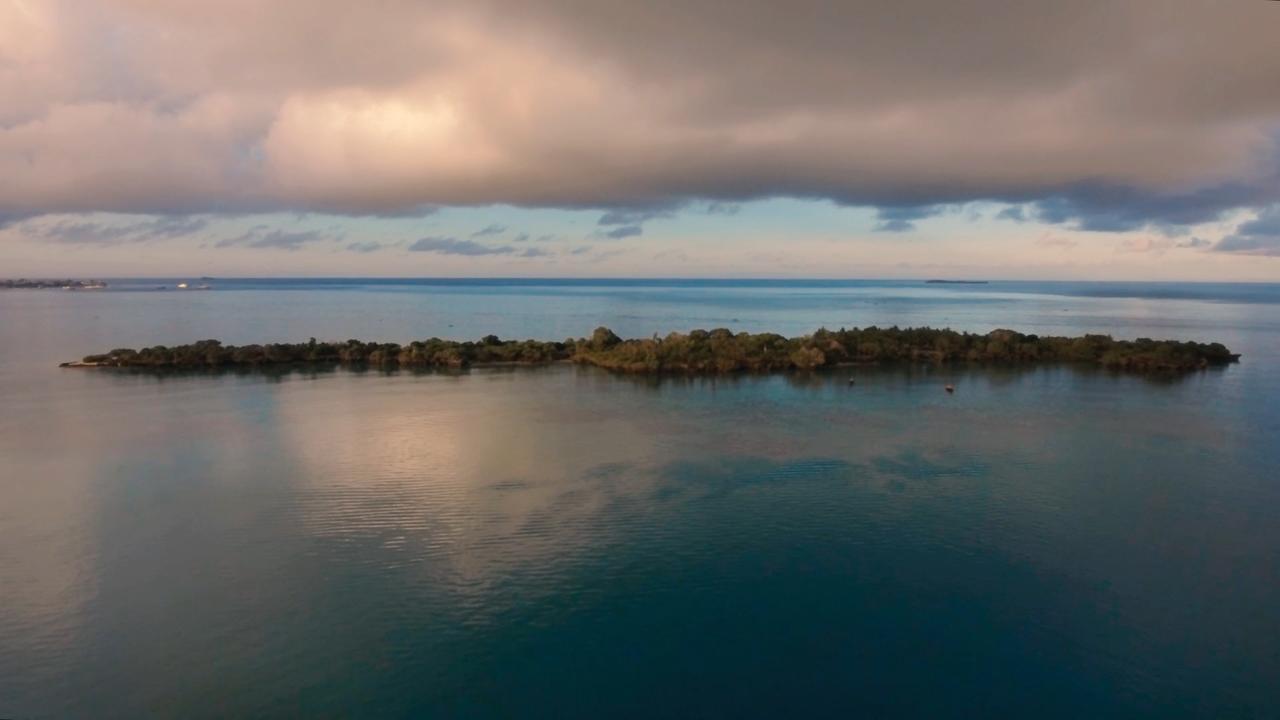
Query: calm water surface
(561,542)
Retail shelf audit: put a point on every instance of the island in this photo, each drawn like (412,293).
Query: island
(955,282)
(698,352)
(25,284)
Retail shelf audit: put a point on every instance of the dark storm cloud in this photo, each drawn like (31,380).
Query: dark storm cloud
(1113,208)
(1096,114)
(902,219)
(1259,236)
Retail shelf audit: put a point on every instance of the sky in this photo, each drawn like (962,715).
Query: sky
(991,139)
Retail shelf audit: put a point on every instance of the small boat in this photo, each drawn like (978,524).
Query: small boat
(950,388)
(182,286)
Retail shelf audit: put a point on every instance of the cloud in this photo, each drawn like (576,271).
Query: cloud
(894,226)
(628,222)
(619,233)
(1016,213)
(717,207)
(117,232)
(489,230)
(1158,245)
(1259,236)
(521,237)
(1111,208)
(470,248)
(8,220)
(1118,121)
(365,247)
(902,219)
(633,216)
(453,246)
(260,238)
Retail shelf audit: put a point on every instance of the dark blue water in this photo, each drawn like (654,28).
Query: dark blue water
(561,542)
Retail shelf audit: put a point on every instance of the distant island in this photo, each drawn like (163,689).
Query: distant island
(25,284)
(697,352)
(956,282)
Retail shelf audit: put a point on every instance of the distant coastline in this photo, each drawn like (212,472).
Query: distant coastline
(68,284)
(956,282)
(698,352)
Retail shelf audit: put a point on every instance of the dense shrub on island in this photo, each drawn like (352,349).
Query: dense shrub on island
(720,350)
(701,351)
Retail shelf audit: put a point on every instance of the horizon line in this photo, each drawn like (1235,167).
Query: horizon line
(537,278)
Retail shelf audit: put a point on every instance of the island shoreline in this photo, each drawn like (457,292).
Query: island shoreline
(698,352)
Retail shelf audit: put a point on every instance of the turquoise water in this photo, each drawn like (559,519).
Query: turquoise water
(562,542)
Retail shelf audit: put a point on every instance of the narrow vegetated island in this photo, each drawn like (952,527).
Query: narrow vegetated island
(699,351)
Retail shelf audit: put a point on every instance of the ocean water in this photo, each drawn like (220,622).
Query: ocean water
(562,542)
